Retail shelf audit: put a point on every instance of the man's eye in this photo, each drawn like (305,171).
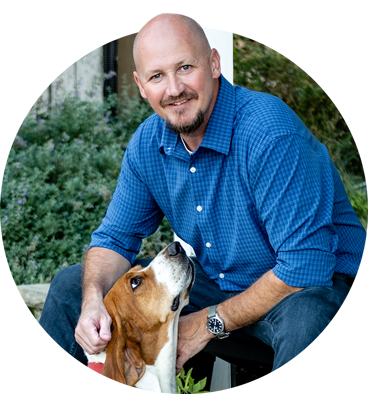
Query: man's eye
(186,68)
(135,282)
(156,76)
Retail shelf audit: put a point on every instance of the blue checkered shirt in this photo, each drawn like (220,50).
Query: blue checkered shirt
(259,193)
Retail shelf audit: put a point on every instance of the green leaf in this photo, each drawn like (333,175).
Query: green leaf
(179,382)
(202,384)
(191,384)
(186,387)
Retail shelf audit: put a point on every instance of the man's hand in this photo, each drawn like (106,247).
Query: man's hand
(103,267)
(193,336)
(93,330)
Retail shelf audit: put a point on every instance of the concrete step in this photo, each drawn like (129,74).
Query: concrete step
(14,348)
(30,295)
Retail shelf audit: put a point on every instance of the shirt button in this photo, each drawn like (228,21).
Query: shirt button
(208,245)
(222,276)
(193,170)
(199,208)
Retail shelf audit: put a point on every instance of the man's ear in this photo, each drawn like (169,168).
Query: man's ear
(139,83)
(215,63)
(124,362)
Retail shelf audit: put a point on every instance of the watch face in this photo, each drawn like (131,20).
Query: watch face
(215,325)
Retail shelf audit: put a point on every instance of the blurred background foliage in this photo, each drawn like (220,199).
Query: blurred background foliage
(59,179)
(64,164)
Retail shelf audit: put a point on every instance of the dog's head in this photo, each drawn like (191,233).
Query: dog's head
(142,304)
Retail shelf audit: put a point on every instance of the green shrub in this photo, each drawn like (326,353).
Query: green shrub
(60,176)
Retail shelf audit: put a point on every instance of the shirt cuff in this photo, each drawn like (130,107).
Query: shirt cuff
(129,253)
(305,268)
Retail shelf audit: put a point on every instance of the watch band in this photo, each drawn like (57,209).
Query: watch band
(212,311)
(213,314)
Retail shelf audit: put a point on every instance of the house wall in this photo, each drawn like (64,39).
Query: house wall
(47,63)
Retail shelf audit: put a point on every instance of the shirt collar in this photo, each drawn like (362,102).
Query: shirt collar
(219,129)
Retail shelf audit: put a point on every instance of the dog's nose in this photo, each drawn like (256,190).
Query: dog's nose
(174,249)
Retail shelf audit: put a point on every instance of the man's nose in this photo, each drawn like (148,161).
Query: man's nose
(174,86)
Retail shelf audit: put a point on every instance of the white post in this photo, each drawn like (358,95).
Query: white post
(221,375)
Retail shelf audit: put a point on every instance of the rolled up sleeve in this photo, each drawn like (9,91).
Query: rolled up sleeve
(294,193)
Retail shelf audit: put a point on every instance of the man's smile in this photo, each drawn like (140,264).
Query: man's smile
(180,102)
(181,99)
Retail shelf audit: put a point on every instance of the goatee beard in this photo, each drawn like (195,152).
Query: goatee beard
(189,128)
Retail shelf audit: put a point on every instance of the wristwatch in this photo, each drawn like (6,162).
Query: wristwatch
(215,325)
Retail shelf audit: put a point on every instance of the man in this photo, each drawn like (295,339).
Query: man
(242,180)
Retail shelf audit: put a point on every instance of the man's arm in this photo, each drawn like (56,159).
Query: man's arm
(132,214)
(103,267)
(239,311)
(249,306)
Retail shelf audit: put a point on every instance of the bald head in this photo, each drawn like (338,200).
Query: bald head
(165,25)
(178,72)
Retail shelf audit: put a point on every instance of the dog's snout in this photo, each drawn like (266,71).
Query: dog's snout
(175,249)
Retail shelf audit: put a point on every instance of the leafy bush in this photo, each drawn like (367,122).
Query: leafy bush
(60,176)
(333,105)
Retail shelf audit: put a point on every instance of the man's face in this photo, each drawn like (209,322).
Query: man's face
(177,78)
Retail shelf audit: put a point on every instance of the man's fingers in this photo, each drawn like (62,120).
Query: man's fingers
(93,331)
(86,347)
(87,339)
(180,361)
(105,332)
(93,346)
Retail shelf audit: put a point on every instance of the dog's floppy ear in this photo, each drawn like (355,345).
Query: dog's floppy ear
(124,361)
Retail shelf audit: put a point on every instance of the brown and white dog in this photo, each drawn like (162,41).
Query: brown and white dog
(144,305)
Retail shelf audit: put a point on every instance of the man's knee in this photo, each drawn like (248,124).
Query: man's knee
(307,313)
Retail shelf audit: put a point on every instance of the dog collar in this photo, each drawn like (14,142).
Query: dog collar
(95,368)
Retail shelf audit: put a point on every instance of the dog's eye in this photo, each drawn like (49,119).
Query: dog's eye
(135,282)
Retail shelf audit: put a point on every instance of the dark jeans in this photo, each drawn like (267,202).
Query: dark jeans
(289,327)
